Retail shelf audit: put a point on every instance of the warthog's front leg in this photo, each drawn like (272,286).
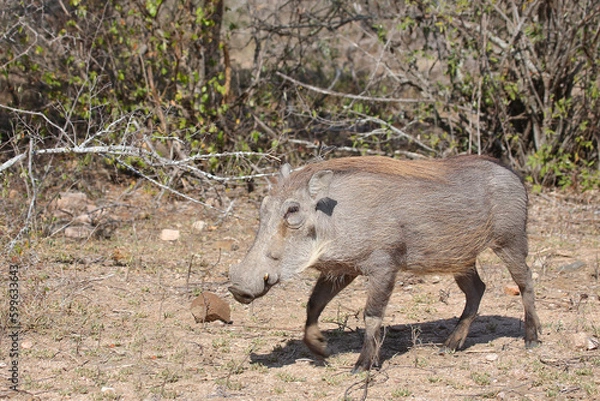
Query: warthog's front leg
(325,290)
(381,285)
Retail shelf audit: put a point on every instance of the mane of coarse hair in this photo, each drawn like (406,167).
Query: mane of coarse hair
(431,170)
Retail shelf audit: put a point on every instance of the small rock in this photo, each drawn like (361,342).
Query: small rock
(208,307)
(74,209)
(225,244)
(72,201)
(571,267)
(26,344)
(198,226)
(512,290)
(582,341)
(520,374)
(169,235)
(435,279)
(107,390)
(83,219)
(491,357)
(579,340)
(70,204)
(79,232)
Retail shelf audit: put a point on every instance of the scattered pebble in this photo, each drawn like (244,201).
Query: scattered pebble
(519,374)
(208,307)
(169,235)
(226,245)
(512,290)
(78,232)
(571,267)
(198,226)
(583,341)
(435,279)
(82,216)
(70,201)
(26,344)
(491,357)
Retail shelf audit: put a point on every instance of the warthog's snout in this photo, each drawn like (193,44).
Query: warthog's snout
(240,295)
(245,294)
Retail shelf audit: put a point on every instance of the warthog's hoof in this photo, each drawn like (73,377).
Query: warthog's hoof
(364,366)
(443,350)
(316,342)
(359,369)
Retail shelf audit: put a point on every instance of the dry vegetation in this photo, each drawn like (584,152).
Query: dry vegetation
(109,318)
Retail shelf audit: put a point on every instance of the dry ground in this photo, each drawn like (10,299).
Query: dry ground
(109,318)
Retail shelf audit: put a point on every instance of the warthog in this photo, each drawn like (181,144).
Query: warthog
(373,216)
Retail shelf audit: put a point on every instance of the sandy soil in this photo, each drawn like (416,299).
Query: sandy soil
(109,318)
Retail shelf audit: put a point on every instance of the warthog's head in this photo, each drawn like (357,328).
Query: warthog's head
(288,239)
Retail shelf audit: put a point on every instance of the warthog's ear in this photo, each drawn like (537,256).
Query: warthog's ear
(319,183)
(284,172)
(326,205)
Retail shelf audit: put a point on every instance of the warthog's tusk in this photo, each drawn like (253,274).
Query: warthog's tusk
(266,277)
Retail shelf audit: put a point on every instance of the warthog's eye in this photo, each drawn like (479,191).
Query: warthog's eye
(292,215)
(292,209)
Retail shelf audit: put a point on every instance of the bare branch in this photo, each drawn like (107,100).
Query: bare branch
(167,188)
(397,131)
(33,113)
(122,150)
(354,97)
(348,149)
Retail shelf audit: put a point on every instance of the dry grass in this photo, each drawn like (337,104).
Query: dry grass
(109,319)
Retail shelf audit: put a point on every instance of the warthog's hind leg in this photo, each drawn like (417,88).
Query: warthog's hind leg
(470,283)
(513,255)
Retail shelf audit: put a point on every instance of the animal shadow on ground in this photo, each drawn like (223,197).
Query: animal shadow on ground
(398,339)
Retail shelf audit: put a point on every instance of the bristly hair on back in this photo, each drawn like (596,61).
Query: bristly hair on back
(431,170)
